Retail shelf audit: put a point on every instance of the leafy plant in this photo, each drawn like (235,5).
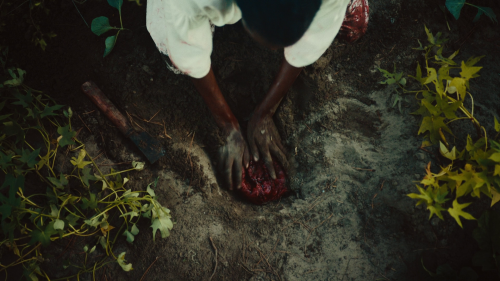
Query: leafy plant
(100,25)
(395,79)
(475,170)
(54,206)
(455,7)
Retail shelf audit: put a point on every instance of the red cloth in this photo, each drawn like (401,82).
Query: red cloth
(355,21)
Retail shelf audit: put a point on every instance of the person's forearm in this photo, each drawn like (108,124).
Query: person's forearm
(209,90)
(282,83)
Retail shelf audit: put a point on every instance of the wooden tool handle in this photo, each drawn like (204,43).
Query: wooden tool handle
(106,106)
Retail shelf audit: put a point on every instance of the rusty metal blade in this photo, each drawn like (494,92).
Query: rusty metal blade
(152,148)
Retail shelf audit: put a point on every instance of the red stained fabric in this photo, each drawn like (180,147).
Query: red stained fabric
(258,186)
(355,21)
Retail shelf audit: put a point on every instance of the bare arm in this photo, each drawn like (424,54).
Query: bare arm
(262,133)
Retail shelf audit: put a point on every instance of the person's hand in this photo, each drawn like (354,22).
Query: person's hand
(233,156)
(264,137)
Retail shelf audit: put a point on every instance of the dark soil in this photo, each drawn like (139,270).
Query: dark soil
(336,117)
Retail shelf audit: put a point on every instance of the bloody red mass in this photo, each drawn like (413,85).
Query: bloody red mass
(258,186)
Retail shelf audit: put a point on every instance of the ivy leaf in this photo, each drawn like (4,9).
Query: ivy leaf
(452,155)
(87,176)
(59,183)
(150,190)
(79,161)
(100,25)
(134,229)
(162,221)
(16,80)
(139,166)
(130,236)
(66,136)
(473,60)
(469,72)
(122,263)
(425,196)
(495,196)
(456,212)
(433,124)
(43,236)
(29,158)
(458,85)
(5,160)
(432,76)
(116,4)
(89,203)
(497,125)
(436,210)
(58,224)
(455,6)
(487,11)
(72,219)
(49,111)
(23,100)
(110,44)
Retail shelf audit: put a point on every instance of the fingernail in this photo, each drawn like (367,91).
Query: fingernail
(246,166)
(256,158)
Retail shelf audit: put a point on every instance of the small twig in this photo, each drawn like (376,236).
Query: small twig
(360,169)
(382,186)
(84,123)
(165,130)
(148,268)
(88,112)
(215,269)
(154,116)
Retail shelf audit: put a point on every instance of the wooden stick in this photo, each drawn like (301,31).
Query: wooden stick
(215,269)
(84,123)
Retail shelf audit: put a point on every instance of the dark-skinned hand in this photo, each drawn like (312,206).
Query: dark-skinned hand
(264,140)
(233,156)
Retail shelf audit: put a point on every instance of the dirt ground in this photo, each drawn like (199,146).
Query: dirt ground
(354,156)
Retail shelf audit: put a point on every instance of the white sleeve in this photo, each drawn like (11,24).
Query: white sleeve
(187,41)
(323,29)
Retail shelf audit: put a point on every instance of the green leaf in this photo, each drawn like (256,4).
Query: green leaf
(452,155)
(5,160)
(43,236)
(59,183)
(433,124)
(473,60)
(16,80)
(66,136)
(103,242)
(487,11)
(101,25)
(436,210)
(456,212)
(161,221)
(139,166)
(23,100)
(79,161)
(87,176)
(58,224)
(132,214)
(134,229)
(150,190)
(497,125)
(90,203)
(469,72)
(432,76)
(49,111)
(72,219)
(455,6)
(92,250)
(130,236)
(121,261)
(29,158)
(116,4)
(110,44)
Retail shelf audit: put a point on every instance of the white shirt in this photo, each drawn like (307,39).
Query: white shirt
(181,29)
